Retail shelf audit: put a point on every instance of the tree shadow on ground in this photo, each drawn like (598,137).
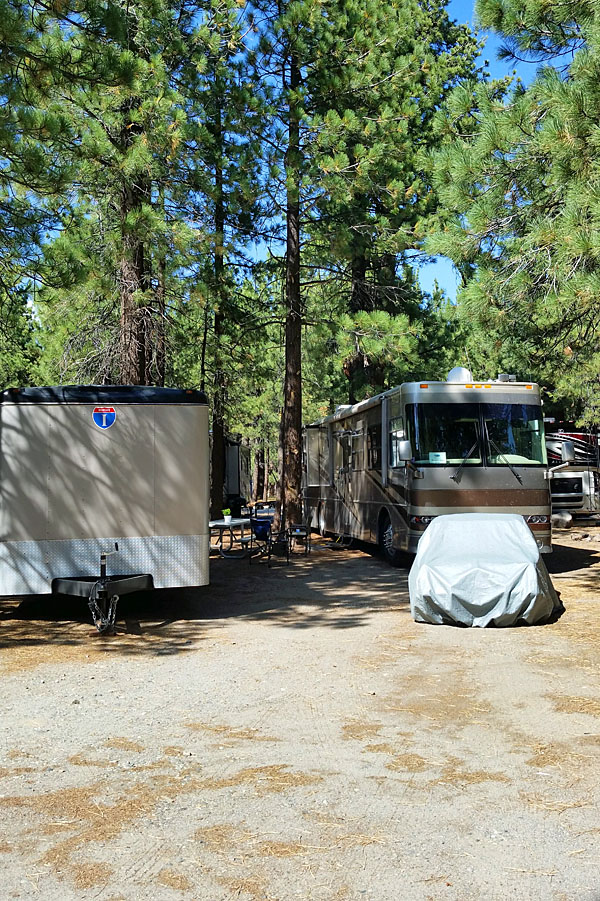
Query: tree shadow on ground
(326,589)
(564,558)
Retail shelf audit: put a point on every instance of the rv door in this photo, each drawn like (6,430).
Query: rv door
(342,474)
(397,447)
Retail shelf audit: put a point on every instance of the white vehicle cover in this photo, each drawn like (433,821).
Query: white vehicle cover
(480,569)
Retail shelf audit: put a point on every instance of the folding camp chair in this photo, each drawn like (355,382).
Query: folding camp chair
(266,542)
(300,533)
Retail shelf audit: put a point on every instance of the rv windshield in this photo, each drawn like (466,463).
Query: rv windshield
(468,434)
(514,433)
(445,433)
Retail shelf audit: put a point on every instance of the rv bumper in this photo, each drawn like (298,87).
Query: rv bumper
(539,529)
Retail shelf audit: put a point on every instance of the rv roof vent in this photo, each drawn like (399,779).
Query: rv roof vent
(341,407)
(506,377)
(459,374)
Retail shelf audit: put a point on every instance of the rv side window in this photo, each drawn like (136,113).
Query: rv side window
(312,457)
(396,436)
(317,456)
(374,446)
(357,448)
(324,477)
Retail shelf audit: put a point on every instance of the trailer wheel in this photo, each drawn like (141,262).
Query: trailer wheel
(386,537)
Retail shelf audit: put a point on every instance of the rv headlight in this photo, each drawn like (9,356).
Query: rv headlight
(536,518)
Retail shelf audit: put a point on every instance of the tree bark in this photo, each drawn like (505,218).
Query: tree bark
(134,270)
(265,496)
(258,480)
(218,432)
(291,432)
(161,322)
(359,291)
(218,443)
(133,279)
(360,299)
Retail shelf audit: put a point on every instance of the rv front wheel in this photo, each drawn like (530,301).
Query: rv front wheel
(386,542)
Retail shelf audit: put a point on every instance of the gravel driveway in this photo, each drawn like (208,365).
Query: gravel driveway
(292,733)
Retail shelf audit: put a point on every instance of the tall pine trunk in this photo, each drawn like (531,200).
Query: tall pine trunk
(217,468)
(265,495)
(134,265)
(218,424)
(258,481)
(359,300)
(161,322)
(133,280)
(291,431)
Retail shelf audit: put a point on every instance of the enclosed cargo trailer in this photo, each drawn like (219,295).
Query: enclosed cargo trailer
(83,468)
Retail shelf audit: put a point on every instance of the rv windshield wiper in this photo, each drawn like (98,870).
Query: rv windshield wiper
(457,475)
(495,447)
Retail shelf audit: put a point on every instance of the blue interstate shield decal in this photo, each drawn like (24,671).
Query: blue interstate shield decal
(104,417)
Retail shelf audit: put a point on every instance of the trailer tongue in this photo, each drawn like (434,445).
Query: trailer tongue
(103,592)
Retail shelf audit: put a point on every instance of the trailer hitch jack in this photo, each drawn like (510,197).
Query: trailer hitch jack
(103,593)
(103,605)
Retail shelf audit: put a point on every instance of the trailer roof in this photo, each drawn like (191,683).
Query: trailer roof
(92,394)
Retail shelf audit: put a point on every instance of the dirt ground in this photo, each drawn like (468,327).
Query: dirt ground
(292,733)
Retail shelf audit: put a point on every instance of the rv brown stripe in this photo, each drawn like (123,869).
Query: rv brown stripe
(479,497)
(397,491)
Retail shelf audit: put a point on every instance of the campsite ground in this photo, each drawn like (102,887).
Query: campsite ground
(292,733)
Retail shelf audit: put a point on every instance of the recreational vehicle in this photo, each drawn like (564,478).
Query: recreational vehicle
(84,469)
(576,491)
(382,469)
(238,478)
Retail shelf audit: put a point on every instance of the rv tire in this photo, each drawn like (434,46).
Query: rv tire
(386,536)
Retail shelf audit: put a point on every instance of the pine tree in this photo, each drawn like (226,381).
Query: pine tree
(377,126)
(224,113)
(521,176)
(32,176)
(133,259)
(113,81)
(353,87)
(18,348)
(288,32)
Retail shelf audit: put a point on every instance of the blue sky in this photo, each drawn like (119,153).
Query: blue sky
(442,269)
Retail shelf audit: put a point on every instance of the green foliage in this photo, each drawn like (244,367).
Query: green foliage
(519,176)
(385,69)
(18,349)
(141,89)
(149,164)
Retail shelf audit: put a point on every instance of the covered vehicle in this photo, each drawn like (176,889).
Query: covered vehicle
(480,569)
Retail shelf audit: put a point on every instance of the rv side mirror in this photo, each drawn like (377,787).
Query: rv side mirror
(404,450)
(567,452)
